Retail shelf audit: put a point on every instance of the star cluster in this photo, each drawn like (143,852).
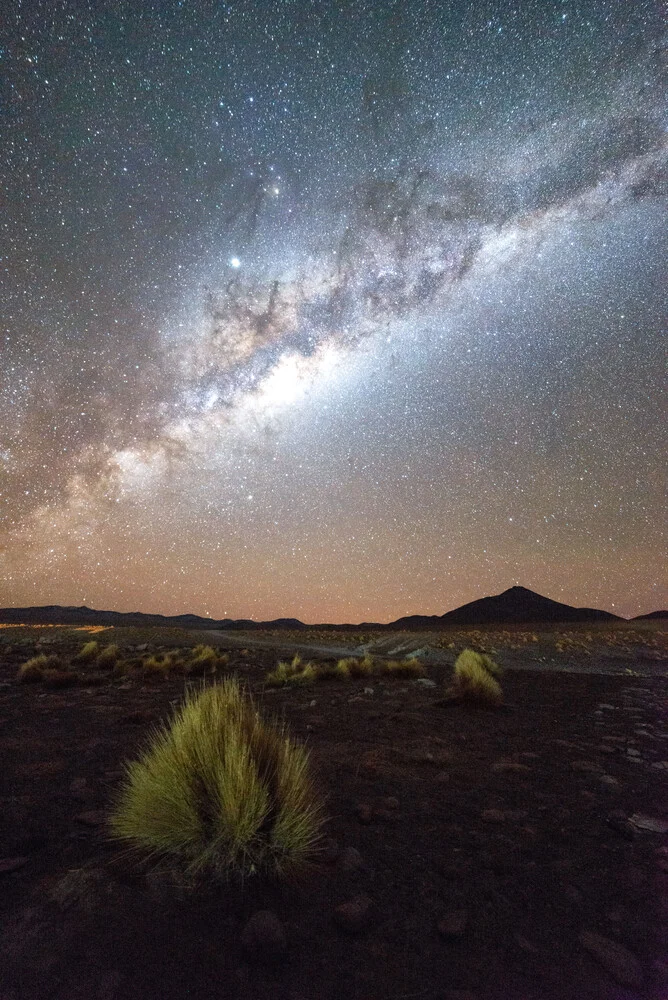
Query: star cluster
(334,311)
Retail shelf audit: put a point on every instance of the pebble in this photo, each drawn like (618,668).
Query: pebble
(330,850)
(8,865)
(263,937)
(493,816)
(350,860)
(504,766)
(607,779)
(618,822)
(453,924)
(353,916)
(614,957)
(587,766)
(648,823)
(364,813)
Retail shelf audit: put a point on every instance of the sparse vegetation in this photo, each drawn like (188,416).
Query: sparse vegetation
(474,681)
(218,789)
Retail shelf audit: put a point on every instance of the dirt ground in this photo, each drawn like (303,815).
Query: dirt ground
(509,854)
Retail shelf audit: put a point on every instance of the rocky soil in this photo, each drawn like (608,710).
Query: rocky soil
(490,854)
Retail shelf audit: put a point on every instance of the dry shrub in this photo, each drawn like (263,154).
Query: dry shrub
(220,790)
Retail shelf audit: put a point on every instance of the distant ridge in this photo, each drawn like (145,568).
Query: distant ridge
(517,605)
(53,614)
(514,606)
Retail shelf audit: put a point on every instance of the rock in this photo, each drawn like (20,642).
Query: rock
(94,817)
(263,937)
(353,916)
(660,765)
(607,779)
(587,766)
(453,924)
(424,682)
(493,816)
(368,690)
(614,957)
(330,850)
(632,752)
(524,944)
(642,822)
(80,791)
(166,885)
(350,860)
(573,895)
(504,766)
(618,822)
(8,865)
(364,813)
(83,888)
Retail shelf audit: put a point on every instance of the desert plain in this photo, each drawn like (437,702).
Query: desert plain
(517,852)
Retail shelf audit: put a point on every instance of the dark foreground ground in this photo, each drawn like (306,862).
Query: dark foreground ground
(510,854)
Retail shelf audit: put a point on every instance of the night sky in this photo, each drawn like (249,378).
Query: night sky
(340,311)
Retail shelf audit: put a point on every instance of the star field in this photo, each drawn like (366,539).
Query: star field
(334,311)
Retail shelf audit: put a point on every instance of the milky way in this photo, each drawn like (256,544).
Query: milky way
(335,311)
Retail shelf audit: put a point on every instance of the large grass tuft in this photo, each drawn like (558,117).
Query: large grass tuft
(220,790)
(474,680)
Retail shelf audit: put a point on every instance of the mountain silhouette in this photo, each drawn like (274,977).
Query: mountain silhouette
(514,606)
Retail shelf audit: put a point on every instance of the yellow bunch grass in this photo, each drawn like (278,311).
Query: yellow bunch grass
(220,790)
(474,680)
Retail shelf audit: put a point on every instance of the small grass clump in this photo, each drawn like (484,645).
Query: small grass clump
(108,657)
(361,668)
(410,667)
(88,652)
(202,660)
(156,665)
(32,670)
(344,666)
(295,672)
(474,680)
(219,790)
